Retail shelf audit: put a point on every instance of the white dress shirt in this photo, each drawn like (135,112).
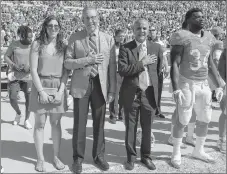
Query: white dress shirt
(144,46)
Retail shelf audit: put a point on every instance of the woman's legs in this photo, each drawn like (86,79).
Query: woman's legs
(40,120)
(55,121)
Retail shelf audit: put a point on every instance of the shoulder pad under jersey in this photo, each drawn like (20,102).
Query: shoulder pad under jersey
(180,37)
(210,36)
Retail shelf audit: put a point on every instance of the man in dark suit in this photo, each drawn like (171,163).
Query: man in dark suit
(139,66)
(91,56)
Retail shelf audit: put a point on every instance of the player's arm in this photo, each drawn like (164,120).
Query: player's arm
(222,65)
(175,57)
(214,71)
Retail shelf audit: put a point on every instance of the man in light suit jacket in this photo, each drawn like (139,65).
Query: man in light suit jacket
(139,66)
(91,56)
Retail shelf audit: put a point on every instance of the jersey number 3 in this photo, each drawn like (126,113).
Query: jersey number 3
(198,60)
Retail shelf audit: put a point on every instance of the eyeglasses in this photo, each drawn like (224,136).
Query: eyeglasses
(56,27)
(92,18)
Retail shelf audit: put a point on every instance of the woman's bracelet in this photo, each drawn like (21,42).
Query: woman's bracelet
(40,90)
(61,91)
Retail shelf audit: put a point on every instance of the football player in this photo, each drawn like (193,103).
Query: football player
(191,125)
(190,60)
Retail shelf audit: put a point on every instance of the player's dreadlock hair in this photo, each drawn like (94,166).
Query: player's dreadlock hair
(184,25)
(43,35)
(23,31)
(190,12)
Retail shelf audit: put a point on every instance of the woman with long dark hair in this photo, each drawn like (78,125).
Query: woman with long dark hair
(48,95)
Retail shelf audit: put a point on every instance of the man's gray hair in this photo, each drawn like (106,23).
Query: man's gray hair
(87,8)
(139,21)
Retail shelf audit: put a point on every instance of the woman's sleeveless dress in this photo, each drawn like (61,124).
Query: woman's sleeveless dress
(50,71)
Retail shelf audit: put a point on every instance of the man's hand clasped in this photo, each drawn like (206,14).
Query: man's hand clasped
(98,58)
(149,59)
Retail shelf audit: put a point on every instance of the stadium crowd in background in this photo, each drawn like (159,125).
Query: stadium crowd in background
(165,16)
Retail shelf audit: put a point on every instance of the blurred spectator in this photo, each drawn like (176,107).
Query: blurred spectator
(165,16)
(3,34)
(217,32)
(218,46)
(6,40)
(115,108)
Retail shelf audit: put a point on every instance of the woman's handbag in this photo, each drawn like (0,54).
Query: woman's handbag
(51,92)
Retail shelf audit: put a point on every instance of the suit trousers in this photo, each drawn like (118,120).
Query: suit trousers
(113,107)
(94,97)
(144,103)
(160,83)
